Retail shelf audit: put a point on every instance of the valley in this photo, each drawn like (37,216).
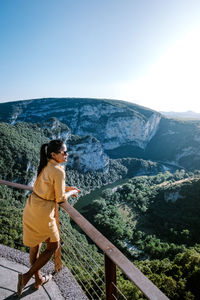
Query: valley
(89,198)
(139,174)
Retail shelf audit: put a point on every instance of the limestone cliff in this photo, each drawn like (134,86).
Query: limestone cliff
(113,123)
(123,129)
(86,154)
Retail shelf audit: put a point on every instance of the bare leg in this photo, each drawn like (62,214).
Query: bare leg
(34,254)
(43,258)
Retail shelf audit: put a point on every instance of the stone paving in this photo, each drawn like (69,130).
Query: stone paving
(13,262)
(8,280)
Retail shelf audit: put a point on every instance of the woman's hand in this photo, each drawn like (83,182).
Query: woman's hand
(72,188)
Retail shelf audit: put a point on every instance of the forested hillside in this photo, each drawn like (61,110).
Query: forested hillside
(153,218)
(155,221)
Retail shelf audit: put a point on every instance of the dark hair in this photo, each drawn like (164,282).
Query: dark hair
(45,152)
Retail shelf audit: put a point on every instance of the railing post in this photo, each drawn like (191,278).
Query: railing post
(110,278)
(57,257)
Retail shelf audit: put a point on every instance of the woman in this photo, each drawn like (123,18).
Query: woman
(39,223)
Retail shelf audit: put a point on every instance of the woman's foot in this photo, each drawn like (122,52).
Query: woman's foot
(22,281)
(20,284)
(44,279)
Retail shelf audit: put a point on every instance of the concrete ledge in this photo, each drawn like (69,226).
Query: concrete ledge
(65,281)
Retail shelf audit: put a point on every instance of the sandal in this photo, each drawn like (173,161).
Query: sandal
(20,285)
(47,278)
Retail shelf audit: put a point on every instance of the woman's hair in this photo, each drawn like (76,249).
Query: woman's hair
(45,152)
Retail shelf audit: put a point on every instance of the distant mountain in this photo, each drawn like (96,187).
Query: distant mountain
(121,128)
(181,115)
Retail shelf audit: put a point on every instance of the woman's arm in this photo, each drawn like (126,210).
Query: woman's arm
(61,193)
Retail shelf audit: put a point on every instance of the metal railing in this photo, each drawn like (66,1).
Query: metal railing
(112,257)
(84,266)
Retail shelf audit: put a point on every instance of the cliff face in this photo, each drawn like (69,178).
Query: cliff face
(86,154)
(176,142)
(130,130)
(113,123)
(121,129)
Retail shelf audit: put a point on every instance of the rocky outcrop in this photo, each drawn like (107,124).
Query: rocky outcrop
(54,129)
(86,154)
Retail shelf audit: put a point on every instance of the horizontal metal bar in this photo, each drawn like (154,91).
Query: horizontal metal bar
(17,185)
(133,273)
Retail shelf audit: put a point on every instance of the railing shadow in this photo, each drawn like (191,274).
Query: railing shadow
(27,292)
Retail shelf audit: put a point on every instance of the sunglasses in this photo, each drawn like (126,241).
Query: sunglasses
(63,152)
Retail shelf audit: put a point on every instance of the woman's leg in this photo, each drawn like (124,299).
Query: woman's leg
(43,258)
(34,254)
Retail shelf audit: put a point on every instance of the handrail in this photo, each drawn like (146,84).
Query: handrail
(17,185)
(151,291)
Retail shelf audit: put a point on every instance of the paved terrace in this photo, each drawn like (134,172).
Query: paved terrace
(12,262)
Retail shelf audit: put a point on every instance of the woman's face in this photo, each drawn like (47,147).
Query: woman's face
(61,156)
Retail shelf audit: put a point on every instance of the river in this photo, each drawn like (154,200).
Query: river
(89,198)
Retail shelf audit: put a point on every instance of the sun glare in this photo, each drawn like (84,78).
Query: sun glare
(172,83)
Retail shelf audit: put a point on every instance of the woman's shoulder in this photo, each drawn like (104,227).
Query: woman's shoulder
(55,168)
(60,169)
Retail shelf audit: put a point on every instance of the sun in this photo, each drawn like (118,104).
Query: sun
(172,83)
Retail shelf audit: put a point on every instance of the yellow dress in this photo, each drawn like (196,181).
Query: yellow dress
(39,221)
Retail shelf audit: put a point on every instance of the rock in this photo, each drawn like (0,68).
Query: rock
(86,154)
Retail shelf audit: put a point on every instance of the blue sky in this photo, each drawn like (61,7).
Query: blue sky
(144,51)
